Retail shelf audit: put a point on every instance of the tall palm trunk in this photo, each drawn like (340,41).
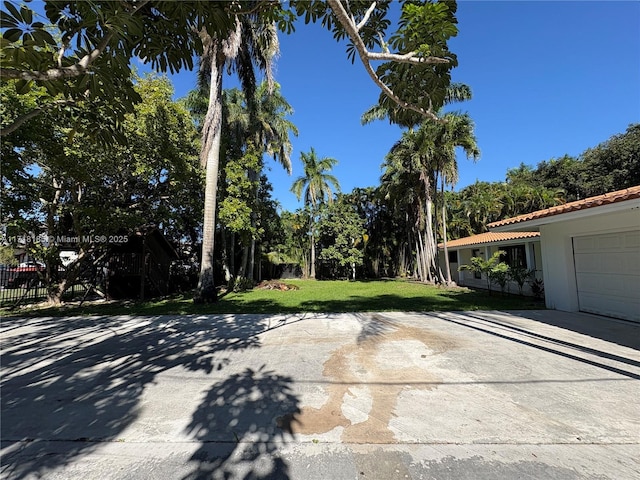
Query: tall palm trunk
(252,261)
(429,244)
(232,258)
(312,272)
(419,274)
(253,176)
(226,264)
(212,133)
(438,276)
(444,239)
(437,271)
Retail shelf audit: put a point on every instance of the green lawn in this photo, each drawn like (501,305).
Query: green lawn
(9,296)
(315,296)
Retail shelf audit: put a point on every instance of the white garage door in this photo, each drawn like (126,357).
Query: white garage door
(608,274)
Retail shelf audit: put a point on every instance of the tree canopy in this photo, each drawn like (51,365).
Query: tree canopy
(609,166)
(82,51)
(66,186)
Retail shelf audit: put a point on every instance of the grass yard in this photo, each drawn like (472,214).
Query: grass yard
(313,296)
(9,296)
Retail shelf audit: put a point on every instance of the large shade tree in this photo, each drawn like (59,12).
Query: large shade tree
(342,238)
(81,52)
(611,165)
(81,195)
(93,43)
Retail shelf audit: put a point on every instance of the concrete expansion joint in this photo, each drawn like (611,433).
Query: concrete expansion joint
(317,441)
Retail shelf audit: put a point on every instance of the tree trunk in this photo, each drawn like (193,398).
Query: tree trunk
(253,176)
(258,276)
(242,272)
(402,260)
(403,257)
(437,273)
(226,265)
(419,259)
(444,240)
(430,246)
(206,290)
(252,260)
(313,257)
(232,258)
(54,293)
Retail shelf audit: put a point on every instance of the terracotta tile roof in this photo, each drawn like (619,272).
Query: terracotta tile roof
(489,237)
(606,199)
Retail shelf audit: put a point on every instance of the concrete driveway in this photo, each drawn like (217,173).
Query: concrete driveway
(466,395)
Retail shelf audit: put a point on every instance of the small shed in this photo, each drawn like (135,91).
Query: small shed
(141,266)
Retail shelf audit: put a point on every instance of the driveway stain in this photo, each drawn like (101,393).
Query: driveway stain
(365,379)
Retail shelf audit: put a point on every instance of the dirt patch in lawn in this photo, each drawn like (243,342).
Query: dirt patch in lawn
(276,285)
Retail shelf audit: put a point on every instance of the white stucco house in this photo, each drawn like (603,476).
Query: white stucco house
(590,252)
(522,249)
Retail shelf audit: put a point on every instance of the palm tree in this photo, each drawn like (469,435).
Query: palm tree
(316,184)
(270,126)
(482,204)
(267,129)
(423,157)
(458,224)
(410,169)
(455,131)
(252,42)
(430,150)
(453,92)
(402,190)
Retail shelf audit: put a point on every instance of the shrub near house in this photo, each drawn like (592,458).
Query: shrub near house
(494,270)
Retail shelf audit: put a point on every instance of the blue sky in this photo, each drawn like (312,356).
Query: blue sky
(548,79)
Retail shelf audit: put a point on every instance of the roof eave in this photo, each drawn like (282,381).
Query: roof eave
(510,241)
(534,224)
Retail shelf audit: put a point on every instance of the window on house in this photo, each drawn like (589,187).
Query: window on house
(515,256)
(453,256)
(476,253)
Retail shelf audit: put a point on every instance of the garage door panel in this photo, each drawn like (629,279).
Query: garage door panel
(583,244)
(607,263)
(632,241)
(607,268)
(612,242)
(606,285)
(609,305)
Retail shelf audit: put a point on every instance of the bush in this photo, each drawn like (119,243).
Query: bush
(537,287)
(493,269)
(520,275)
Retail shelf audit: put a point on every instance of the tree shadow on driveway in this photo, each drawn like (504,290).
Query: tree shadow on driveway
(621,332)
(70,384)
(240,425)
(489,323)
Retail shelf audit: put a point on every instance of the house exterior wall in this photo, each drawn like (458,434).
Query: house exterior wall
(467,279)
(538,258)
(560,285)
